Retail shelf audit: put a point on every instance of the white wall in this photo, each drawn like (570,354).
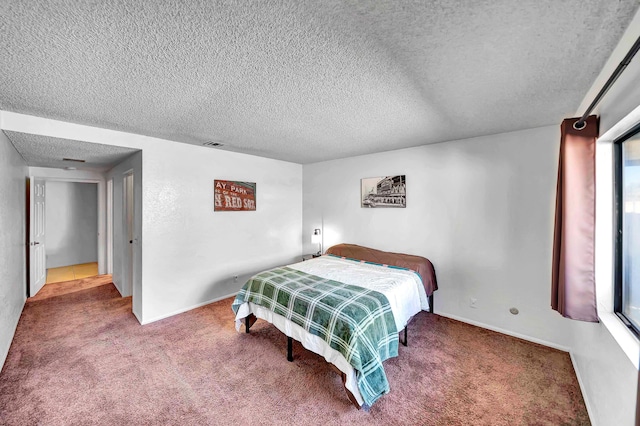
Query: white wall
(195,252)
(189,254)
(480,209)
(606,354)
(71,223)
(623,96)
(13,290)
(608,377)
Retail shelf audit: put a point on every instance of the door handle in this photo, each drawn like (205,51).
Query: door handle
(35,243)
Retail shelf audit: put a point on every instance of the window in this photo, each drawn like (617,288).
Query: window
(627,257)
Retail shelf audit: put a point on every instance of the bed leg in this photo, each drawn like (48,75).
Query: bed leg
(404,342)
(430,300)
(289,349)
(249,320)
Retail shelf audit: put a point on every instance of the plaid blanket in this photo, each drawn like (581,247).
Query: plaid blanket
(355,321)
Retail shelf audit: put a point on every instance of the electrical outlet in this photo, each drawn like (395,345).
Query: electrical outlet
(473,302)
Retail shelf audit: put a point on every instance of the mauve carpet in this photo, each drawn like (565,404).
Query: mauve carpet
(82,358)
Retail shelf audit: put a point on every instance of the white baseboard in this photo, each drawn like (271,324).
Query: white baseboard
(161,317)
(118,288)
(507,332)
(135,314)
(5,354)
(585,395)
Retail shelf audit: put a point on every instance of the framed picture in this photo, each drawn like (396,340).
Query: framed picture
(234,196)
(384,191)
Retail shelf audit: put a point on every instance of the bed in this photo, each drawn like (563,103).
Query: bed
(349,306)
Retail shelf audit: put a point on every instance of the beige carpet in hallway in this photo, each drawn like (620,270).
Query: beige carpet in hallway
(71,272)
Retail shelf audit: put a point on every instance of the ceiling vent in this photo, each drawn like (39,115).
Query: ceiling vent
(73,159)
(213,144)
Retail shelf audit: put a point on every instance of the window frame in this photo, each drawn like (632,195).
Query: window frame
(618,213)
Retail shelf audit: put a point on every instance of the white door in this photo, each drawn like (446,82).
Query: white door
(37,264)
(129,233)
(109,226)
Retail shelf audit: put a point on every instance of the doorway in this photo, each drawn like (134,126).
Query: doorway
(72,230)
(65,241)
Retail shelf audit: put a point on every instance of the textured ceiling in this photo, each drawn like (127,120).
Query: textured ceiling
(45,151)
(306,81)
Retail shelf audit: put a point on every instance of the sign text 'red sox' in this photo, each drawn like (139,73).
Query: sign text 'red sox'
(234,196)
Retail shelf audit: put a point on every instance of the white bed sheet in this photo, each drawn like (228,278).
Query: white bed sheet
(403,289)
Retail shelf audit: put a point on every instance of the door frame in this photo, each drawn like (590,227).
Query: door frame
(102,266)
(129,232)
(109,226)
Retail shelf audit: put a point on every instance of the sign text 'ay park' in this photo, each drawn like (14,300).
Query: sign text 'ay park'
(234,196)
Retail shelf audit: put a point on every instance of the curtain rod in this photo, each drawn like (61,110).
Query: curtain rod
(580,124)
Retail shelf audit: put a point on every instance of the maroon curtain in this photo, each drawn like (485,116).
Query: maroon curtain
(573,292)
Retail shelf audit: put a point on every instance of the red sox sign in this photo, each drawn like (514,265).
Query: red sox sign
(234,196)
